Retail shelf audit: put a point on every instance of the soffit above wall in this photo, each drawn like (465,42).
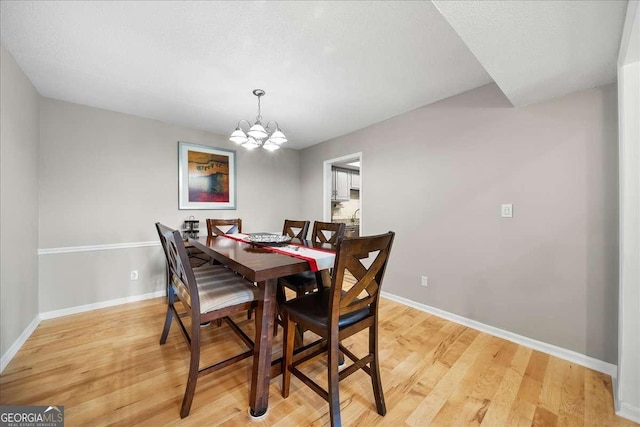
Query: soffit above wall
(537,50)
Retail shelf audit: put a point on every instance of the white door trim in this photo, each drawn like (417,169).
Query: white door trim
(326,193)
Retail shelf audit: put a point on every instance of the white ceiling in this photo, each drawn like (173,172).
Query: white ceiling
(329,68)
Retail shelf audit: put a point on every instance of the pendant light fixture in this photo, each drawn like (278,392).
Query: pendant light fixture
(269,138)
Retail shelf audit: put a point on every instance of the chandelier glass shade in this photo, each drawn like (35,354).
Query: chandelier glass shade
(269,137)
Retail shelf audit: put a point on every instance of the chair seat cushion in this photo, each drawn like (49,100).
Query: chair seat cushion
(304,281)
(313,309)
(218,288)
(205,269)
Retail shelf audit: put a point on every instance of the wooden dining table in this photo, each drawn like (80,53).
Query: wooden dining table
(263,266)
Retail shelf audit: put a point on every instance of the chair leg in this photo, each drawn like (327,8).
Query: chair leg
(167,326)
(333,379)
(169,318)
(280,299)
(299,331)
(287,359)
(378,394)
(194,367)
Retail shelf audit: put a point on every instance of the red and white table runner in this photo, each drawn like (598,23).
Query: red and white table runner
(318,259)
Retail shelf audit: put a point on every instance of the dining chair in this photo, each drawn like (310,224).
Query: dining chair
(305,282)
(348,307)
(295,229)
(214,224)
(235,226)
(197,267)
(200,268)
(302,283)
(206,293)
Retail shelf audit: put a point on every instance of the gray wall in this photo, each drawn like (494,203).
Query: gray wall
(19,136)
(107,177)
(437,176)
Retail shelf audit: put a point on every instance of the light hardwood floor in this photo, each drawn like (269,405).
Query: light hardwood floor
(107,368)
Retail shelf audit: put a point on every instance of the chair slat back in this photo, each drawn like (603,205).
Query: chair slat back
(295,229)
(163,241)
(180,270)
(328,232)
(213,226)
(347,297)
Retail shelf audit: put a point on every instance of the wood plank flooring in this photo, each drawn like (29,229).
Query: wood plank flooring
(107,369)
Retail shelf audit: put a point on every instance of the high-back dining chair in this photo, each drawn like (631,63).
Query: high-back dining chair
(214,224)
(230,226)
(328,232)
(295,229)
(302,283)
(207,293)
(305,282)
(345,309)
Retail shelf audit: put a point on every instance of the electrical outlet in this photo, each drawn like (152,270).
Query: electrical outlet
(133,275)
(425,281)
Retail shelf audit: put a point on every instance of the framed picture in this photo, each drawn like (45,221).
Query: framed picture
(206,177)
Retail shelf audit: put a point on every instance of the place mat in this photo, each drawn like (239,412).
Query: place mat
(318,259)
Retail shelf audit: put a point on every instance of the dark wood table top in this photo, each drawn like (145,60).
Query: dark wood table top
(253,262)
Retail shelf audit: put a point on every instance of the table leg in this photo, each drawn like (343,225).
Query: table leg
(259,394)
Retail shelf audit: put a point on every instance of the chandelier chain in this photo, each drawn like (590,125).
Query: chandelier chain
(259,116)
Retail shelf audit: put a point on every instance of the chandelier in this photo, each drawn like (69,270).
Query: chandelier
(257,135)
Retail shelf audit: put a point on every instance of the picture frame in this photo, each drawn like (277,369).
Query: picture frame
(206,177)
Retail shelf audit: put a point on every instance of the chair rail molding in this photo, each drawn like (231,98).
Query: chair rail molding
(92,248)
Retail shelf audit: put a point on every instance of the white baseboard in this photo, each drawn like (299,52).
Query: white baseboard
(95,306)
(17,344)
(629,412)
(563,353)
(15,347)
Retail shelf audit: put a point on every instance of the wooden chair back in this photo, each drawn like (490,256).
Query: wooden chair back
(328,232)
(162,229)
(214,224)
(180,270)
(348,297)
(295,229)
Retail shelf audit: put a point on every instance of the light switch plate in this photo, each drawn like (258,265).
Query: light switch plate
(507,210)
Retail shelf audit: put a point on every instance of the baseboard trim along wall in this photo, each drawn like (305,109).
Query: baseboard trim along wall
(562,353)
(92,248)
(18,343)
(95,306)
(571,356)
(629,412)
(15,347)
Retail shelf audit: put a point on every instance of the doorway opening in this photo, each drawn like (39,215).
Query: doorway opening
(343,190)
